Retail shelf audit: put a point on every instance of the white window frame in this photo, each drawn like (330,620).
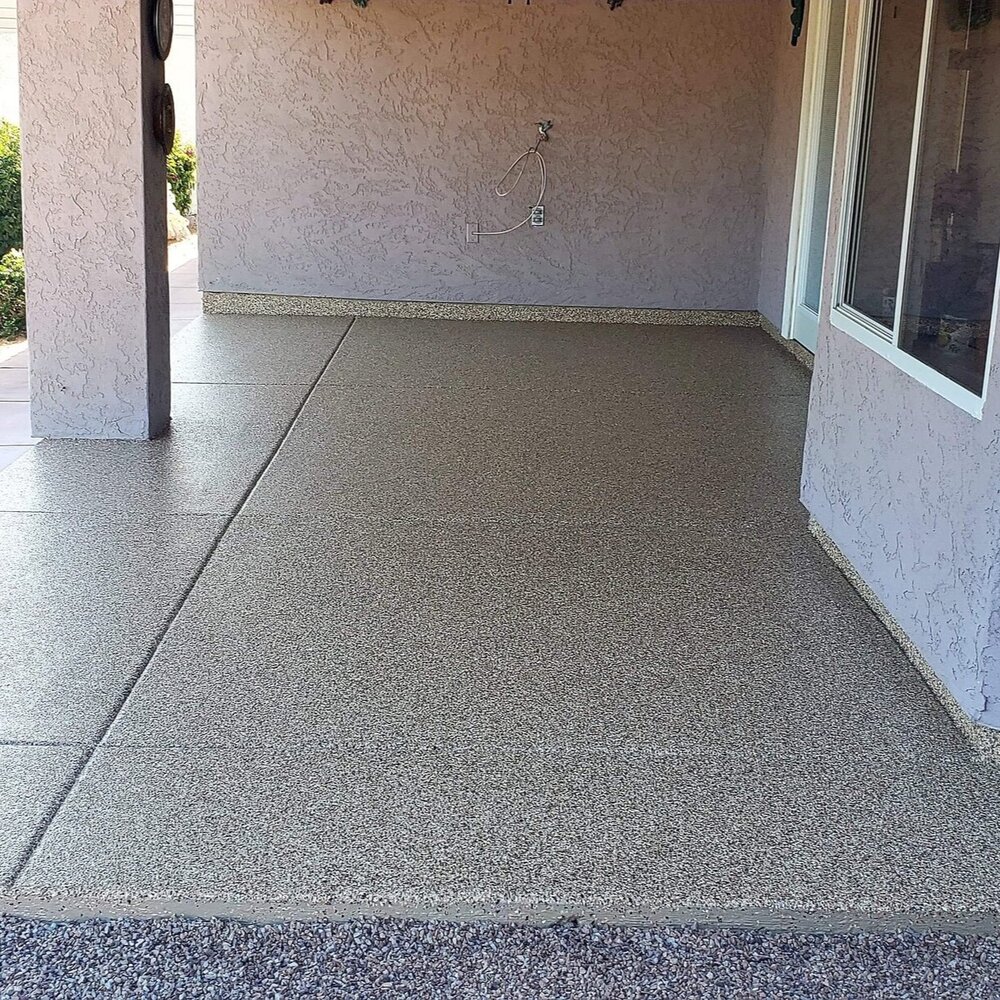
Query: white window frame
(843,316)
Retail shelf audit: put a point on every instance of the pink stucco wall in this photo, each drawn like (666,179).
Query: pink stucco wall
(906,485)
(94,179)
(343,150)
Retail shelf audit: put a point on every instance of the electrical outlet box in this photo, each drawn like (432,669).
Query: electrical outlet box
(538,215)
(472,232)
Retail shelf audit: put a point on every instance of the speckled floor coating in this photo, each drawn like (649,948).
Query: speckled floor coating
(392,960)
(481,620)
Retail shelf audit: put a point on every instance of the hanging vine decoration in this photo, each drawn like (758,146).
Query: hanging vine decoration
(798,19)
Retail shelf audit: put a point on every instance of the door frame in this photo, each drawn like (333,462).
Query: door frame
(817,43)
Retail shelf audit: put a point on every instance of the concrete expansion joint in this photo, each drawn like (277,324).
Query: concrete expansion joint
(89,748)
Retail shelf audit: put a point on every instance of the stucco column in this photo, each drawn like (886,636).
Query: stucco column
(94,181)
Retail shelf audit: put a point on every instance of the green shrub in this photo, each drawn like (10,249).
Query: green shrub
(10,187)
(12,319)
(182,166)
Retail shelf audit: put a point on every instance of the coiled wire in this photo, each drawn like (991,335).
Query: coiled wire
(520,165)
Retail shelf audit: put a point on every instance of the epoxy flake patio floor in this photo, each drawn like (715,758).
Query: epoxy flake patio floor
(469,619)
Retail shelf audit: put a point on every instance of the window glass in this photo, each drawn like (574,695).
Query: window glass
(955,240)
(886,144)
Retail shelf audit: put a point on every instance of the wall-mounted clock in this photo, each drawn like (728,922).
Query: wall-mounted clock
(163,26)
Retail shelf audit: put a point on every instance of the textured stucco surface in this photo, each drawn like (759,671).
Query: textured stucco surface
(94,222)
(905,484)
(343,150)
(780,153)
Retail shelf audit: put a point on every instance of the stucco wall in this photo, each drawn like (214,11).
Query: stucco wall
(785,101)
(343,150)
(180,66)
(906,485)
(94,179)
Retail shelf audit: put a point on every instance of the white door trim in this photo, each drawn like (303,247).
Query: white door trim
(817,42)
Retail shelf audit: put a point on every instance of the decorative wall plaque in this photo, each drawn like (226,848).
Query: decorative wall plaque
(163,26)
(165,118)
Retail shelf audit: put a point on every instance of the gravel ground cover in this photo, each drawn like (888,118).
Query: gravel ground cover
(396,959)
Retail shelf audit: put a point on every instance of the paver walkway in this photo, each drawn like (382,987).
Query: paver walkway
(15,423)
(466,619)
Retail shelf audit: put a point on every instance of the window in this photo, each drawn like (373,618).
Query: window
(921,241)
